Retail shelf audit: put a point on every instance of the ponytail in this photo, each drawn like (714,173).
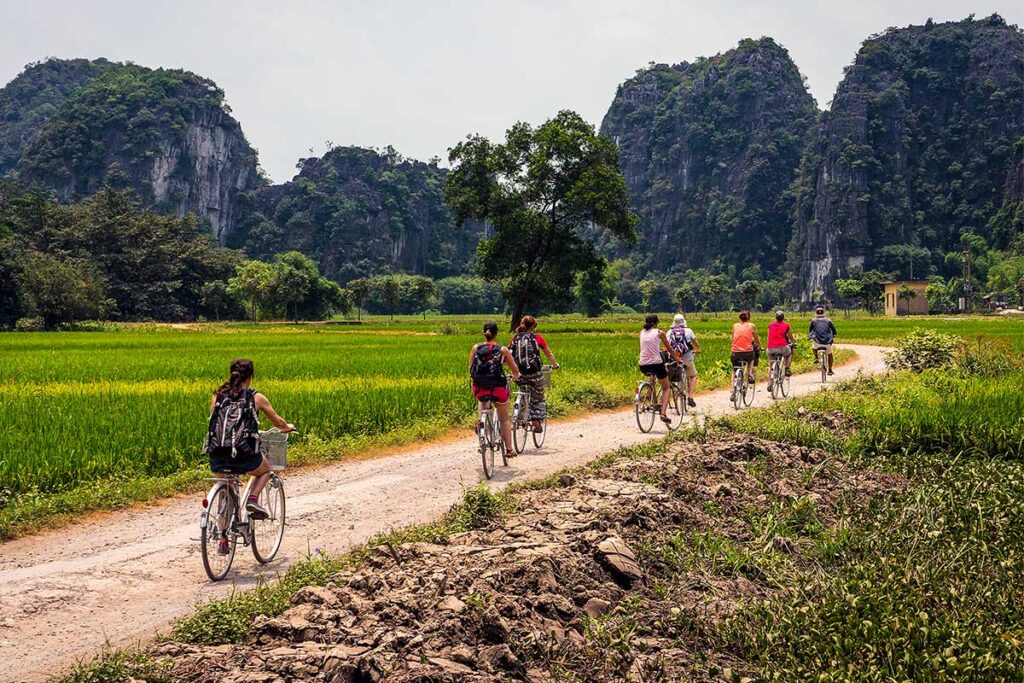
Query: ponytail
(650,321)
(241,372)
(490,330)
(527,324)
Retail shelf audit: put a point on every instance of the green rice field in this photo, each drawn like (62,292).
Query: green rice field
(87,416)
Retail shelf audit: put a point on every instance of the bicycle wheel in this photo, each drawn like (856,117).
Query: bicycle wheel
(220,519)
(486,451)
(749,389)
(822,364)
(539,437)
(774,383)
(268,533)
(521,427)
(784,384)
(738,381)
(675,410)
(644,407)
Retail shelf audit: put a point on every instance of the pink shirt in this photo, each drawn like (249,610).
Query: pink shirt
(650,346)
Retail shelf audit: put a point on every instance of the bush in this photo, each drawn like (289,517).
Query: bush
(29,325)
(922,349)
(987,357)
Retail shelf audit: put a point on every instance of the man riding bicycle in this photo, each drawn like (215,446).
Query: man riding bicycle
(822,333)
(684,341)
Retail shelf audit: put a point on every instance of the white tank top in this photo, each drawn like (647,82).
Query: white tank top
(650,347)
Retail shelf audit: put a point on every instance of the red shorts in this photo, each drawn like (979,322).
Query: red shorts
(497,394)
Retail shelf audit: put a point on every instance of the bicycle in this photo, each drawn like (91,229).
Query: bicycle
(522,426)
(742,391)
(647,404)
(778,380)
(488,431)
(821,359)
(232,522)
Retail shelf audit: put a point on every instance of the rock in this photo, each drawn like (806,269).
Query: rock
(720,490)
(452,604)
(315,595)
(498,658)
(618,558)
(596,607)
(566,480)
(492,627)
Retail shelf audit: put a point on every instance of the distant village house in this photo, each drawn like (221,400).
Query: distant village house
(899,301)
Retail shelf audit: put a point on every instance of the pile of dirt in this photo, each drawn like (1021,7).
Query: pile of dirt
(578,584)
(835,421)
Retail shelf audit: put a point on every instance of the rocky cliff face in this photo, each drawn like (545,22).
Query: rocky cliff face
(75,126)
(708,150)
(916,148)
(359,212)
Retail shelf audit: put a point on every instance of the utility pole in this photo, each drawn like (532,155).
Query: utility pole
(967,280)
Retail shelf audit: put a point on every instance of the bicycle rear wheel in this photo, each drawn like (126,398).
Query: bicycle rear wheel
(220,519)
(823,364)
(784,384)
(268,533)
(643,407)
(521,427)
(738,382)
(539,437)
(486,447)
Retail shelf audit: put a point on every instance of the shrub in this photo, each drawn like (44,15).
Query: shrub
(29,325)
(987,357)
(922,349)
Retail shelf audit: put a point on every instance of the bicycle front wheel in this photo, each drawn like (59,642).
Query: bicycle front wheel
(644,407)
(521,427)
(268,533)
(676,409)
(749,389)
(216,541)
(539,437)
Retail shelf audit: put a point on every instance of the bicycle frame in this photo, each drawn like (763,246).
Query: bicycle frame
(241,513)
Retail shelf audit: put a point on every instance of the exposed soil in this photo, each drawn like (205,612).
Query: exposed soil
(119,578)
(535,595)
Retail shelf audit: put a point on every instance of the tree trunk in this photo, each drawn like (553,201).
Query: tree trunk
(517,310)
(254,310)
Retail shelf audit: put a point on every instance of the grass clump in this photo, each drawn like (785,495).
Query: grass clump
(110,666)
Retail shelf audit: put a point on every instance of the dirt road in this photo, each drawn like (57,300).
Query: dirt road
(124,576)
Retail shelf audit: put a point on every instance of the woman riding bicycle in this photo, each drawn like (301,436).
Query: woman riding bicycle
(487,375)
(233,443)
(780,341)
(744,343)
(526,345)
(652,340)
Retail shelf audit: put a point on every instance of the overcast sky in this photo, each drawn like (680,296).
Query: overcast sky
(421,74)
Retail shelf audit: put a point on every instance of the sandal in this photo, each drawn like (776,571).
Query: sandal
(666,419)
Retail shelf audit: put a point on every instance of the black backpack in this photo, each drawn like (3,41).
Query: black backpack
(526,352)
(233,426)
(486,369)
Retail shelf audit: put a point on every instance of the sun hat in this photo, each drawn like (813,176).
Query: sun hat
(679,319)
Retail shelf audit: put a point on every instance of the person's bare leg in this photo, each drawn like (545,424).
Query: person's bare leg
(830,362)
(666,391)
(692,386)
(261,475)
(750,369)
(506,427)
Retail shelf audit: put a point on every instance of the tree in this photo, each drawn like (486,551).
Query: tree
(214,295)
(905,293)
(421,291)
(683,297)
(60,291)
(872,289)
(360,288)
(294,277)
(537,191)
(711,290)
(902,258)
(648,290)
(252,281)
(595,290)
(849,291)
(390,293)
(748,291)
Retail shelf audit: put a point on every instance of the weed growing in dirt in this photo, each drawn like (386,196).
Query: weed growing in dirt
(110,666)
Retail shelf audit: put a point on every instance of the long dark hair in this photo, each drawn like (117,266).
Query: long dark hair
(526,324)
(490,330)
(241,370)
(650,321)
(745,316)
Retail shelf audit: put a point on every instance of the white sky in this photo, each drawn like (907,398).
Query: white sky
(422,74)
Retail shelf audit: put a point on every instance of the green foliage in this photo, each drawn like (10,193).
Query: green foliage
(59,291)
(252,281)
(922,349)
(462,295)
(537,191)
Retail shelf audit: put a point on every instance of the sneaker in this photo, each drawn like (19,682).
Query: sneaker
(750,379)
(831,373)
(256,511)
(789,372)
(224,547)
(690,402)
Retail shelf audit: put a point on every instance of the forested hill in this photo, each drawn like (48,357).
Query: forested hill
(922,143)
(76,125)
(358,211)
(708,150)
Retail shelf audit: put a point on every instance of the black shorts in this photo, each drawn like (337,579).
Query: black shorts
(656,369)
(223,463)
(741,358)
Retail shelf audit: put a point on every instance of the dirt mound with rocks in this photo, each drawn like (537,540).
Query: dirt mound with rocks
(617,574)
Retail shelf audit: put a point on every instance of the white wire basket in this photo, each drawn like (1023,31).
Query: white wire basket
(275,448)
(545,373)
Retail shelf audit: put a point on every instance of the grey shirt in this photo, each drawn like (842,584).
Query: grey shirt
(822,330)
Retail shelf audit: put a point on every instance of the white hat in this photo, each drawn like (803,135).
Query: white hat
(679,319)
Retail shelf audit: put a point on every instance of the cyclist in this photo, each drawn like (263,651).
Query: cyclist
(525,346)
(234,410)
(780,341)
(652,340)
(684,341)
(822,333)
(744,344)
(487,377)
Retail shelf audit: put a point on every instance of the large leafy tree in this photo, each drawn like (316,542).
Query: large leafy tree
(536,191)
(60,291)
